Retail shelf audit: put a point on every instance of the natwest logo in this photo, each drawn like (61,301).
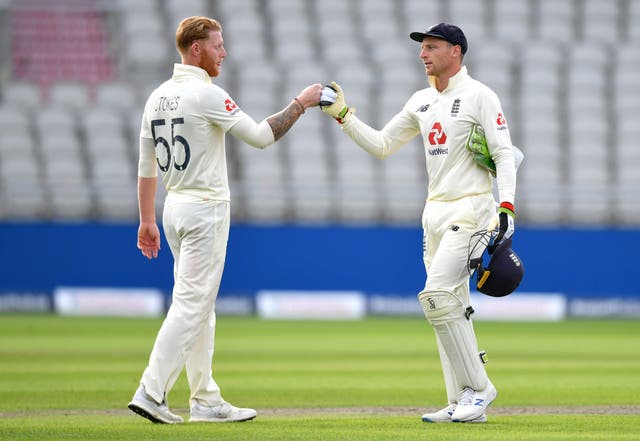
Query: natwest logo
(437,135)
(230,105)
(501,122)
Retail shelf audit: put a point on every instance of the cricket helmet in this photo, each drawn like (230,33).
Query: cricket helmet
(504,270)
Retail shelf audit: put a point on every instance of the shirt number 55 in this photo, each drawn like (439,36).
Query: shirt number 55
(171,150)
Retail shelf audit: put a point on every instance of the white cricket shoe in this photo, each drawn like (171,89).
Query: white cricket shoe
(221,413)
(145,406)
(441,416)
(472,404)
(444,416)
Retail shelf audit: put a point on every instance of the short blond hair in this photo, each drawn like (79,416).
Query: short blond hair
(194,28)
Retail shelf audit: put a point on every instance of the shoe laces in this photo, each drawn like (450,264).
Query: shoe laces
(221,410)
(466,397)
(450,408)
(225,408)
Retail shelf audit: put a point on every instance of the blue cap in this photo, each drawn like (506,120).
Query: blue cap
(448,32)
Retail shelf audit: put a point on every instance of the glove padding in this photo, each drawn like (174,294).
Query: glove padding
(332,103)
(328,96)
(477,145)
(506,216)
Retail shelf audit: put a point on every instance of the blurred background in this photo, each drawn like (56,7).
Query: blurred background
(75,74)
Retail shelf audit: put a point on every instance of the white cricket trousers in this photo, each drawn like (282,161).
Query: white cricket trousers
(197,231)
(447,228)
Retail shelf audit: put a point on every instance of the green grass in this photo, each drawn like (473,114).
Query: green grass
(71,378)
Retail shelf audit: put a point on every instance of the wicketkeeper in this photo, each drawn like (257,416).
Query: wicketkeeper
(466,140)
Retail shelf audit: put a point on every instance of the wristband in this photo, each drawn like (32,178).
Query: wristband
(341,116)
(507,207)
(299,103)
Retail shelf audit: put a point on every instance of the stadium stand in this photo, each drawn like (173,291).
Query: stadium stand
(78,71)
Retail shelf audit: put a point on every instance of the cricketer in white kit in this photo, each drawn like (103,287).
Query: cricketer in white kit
(460,200)
(183,136)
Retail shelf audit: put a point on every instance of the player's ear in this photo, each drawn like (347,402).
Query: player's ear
(195,48)
(457,52)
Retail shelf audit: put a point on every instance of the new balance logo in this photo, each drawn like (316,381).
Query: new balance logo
(479,402)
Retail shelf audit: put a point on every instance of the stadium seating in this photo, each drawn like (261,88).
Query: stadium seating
(79,74)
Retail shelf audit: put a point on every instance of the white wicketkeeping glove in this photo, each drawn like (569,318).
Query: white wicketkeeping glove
(332,103)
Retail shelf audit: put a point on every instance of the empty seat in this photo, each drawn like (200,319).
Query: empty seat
(404,183)
(147,53)
(377,20)
(539,171)
(69,191)
(357,190)
(111,148)
(310,183)
(236,7)
(338,54)
(420,15)
(177,10)
(542,203)
(294,48)
(16,143)
(117,96)
(101,121)
(512,20)
(333,29)
(137,7)
(53,119)
(61,146)
(540,69)
(71,96)
(149,23)
(13,118)
(21,190)
(24,94)
(600,21)
(469,15)
(265,201)
(589,204)
(631,20)
(115,189)
(555,21)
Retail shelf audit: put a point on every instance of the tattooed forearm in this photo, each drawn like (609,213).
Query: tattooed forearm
(282,121)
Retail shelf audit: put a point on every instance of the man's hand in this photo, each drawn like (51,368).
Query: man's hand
(506,215)
(149,239)
(477,145)
(332,103)
(310,96)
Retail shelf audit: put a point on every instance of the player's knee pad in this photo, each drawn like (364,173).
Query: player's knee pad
(447,315)
(439,305)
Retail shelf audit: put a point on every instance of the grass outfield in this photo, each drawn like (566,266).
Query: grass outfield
(71,378)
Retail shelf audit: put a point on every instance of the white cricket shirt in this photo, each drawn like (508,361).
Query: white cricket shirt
(183,134)
(445,119)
